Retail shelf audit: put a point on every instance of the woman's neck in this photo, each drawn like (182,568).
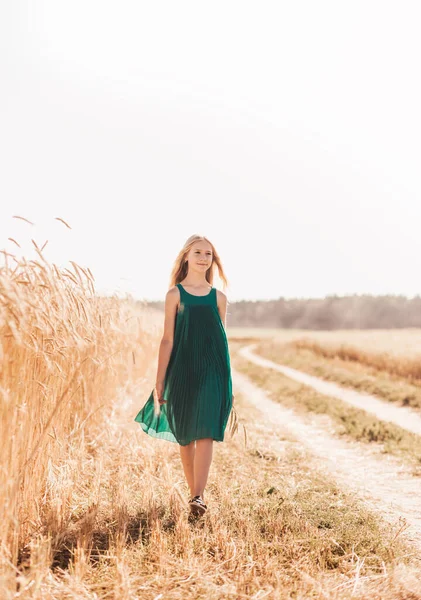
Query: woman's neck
(196,281)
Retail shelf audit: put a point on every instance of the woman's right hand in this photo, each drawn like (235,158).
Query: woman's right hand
(158,392)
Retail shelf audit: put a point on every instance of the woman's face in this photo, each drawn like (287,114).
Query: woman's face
(199,256)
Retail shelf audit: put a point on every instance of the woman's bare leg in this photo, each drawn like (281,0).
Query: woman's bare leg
(187,454)
(202,463)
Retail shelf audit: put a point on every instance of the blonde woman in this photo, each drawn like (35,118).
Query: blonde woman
(192,398)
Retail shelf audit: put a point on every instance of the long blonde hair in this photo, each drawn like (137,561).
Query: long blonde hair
(180,268)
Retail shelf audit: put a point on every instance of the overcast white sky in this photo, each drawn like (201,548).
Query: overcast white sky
(288,132)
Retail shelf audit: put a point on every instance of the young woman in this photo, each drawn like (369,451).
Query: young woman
(192,398)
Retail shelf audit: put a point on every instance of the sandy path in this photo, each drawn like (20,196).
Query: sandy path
(381,481)
(385,411)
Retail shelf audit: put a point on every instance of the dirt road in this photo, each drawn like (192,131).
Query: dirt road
(381,481)
(385,411)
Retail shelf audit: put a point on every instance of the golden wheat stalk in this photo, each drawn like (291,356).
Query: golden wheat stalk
(233,422)
(23,219)
(63,221)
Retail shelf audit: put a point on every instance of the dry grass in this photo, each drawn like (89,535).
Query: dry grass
(399,366)
(405,343)
(93,508)
(277,527)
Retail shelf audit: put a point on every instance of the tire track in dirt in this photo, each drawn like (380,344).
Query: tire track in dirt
(383,410)
(384,484)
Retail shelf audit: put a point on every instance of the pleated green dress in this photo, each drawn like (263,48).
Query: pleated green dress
(198,385)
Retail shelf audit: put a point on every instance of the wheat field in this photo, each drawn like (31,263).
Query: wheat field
(93,508)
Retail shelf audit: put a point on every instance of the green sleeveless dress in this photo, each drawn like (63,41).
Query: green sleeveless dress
(198,385)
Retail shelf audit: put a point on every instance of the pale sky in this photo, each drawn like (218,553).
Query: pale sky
(289,133)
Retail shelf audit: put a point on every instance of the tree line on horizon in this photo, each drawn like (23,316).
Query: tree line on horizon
(358,311)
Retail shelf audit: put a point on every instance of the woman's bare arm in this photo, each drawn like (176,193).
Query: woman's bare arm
(166,345)
(222,303)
